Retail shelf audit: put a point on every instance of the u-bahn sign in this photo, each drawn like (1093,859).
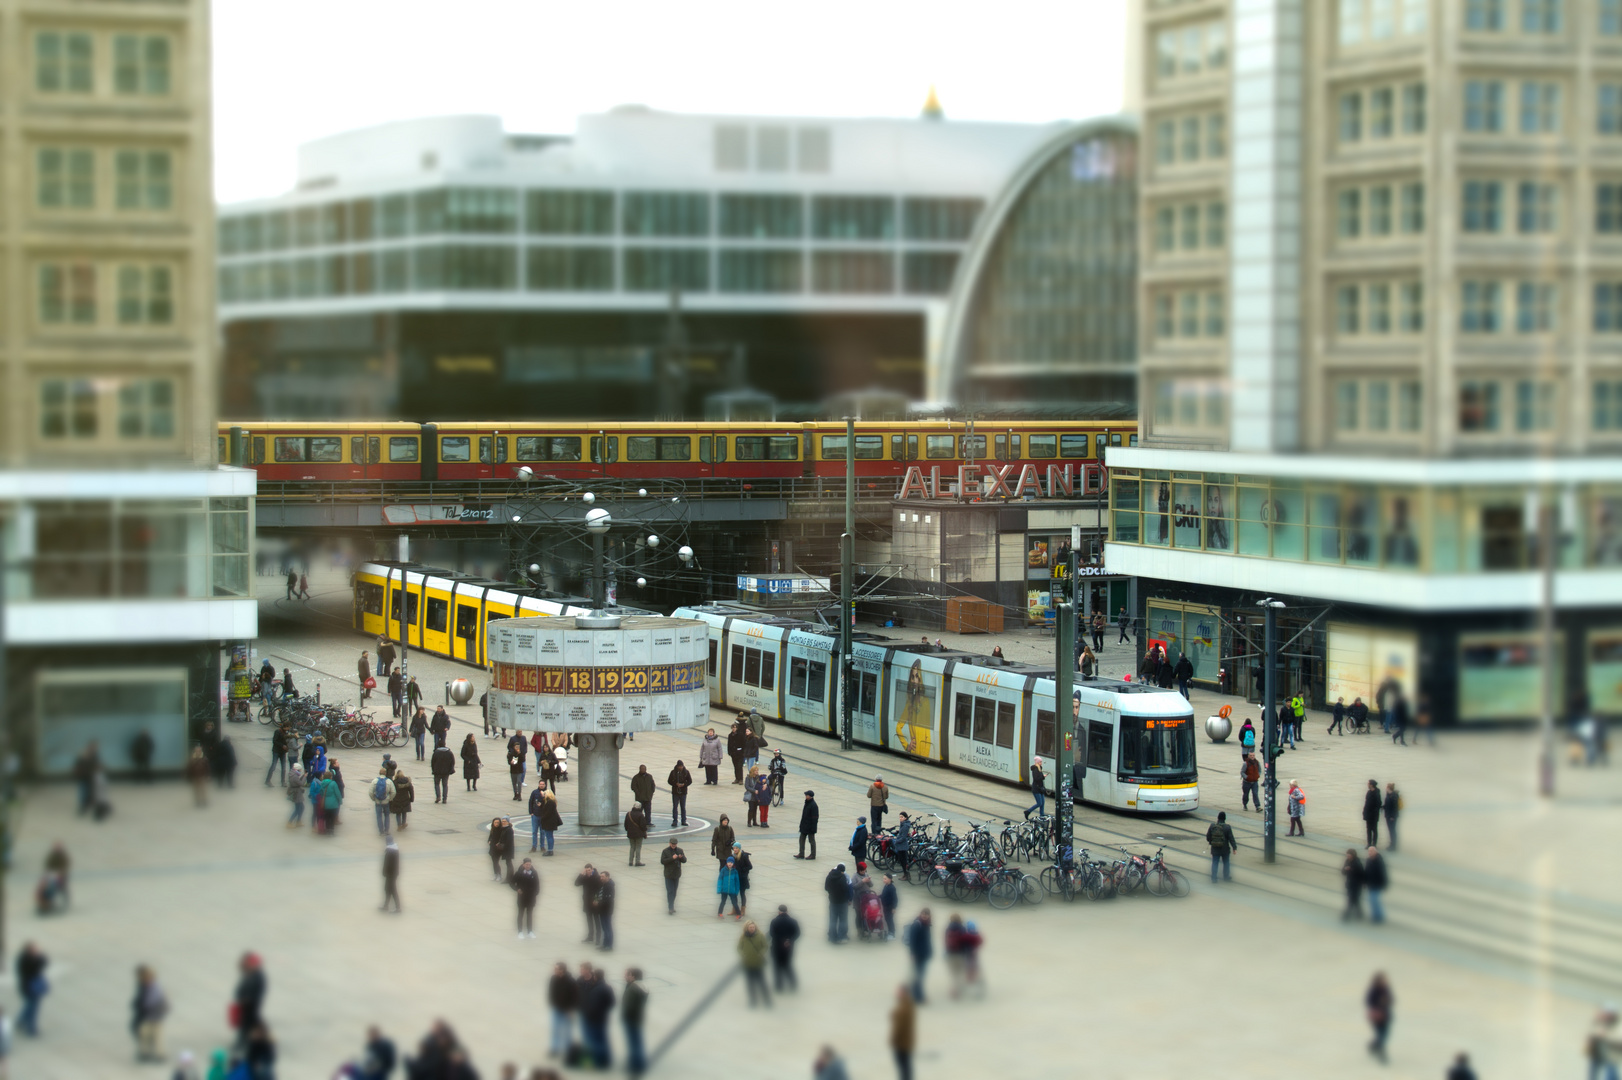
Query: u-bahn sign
(990,481)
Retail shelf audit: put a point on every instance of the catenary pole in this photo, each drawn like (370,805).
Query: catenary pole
(1270,732)
(1064,725)
(847,603)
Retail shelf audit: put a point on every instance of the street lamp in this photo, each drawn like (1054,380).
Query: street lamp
(1270,732)
(598,522)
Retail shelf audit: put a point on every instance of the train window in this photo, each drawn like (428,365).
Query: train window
(1072,446)
(940,446)
(1002,448)
(597,449)
(658,448)
(1099,737)
(1043,446)
(868,701)
(456,448)
(720,448)
(703,448)
(394,605)
(289,449)
(1045,734)
(411,608)
(715,649)
(751,666)
(816,682)
(549,448)
(327,449)
(737,664)
(1132,440)
(985,720)
(868,447)
(767,447)
(796,676)
(374,449)
(1007,721)
(973,446)
(357,449)
(467,620)
(259,450)
(438,615)
(768,670)
(964,707)
(371,598)
(402,448)
(903,447)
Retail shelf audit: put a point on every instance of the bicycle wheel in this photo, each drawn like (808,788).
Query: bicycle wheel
(346,738)
(400,735)
(1158,882)
(1029,891)
(1051,879)
(1067,887)
(1096,885)
(1179,883)
(1004,894)
(936,883)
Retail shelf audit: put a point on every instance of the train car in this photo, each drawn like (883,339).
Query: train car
(330,451)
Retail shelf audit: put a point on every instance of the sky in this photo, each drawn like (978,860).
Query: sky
(295,70)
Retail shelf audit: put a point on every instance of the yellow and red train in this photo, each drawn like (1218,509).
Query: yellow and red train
(331,451)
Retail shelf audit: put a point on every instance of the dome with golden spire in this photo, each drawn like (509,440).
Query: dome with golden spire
(932,107)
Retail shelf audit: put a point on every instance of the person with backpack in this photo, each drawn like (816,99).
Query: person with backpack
(1297,809)
(1247,737)
(279,747)
(1391,806)
(382,796)
(526,881)
(443,766)
(1183,672)
(1220,837)
(404,795)
(470,762)
(1250,779)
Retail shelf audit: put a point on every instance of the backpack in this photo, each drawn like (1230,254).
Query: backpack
(1253,771)
(380,790)
(1217,837)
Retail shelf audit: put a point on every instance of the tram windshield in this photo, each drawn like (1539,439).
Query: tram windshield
(1159,746)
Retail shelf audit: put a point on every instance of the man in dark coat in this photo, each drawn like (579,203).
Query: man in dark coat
(363,671)
(633,1012)
(858,841)
(1374,883)
(249,996)
(596,1003)
(385,655)
(527,882)
(671,859)
(837,886)
(586,881)
(808,825)
(1124,621)
(636,831)
(391,876)
(517,761)
(679,780)
(443,765)
(784,932)
(1371,812)
(737,740)
(642,786)
(1183,673)
(563,997)
(606,890)
(920,947)
(396,693)
(440,725)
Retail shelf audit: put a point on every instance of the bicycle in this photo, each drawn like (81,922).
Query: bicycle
(1163,880)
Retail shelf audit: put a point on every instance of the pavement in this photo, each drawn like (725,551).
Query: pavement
(1504,927)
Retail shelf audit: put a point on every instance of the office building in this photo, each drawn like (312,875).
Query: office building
(125,552)
(1381,316)
(444,268)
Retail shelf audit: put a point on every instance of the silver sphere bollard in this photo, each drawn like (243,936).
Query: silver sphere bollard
(461,691)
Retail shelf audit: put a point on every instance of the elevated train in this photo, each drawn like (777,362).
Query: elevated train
(954,708)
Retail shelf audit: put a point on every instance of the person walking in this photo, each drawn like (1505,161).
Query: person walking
(295,795)
(32,985)
(413,694)
(889,900)
(1391,806)
(391,875)
(671,859)
(148,1010)
(382,796)
(440,725)
(1371,813)
(332,799)
(517,757)
(709,757)
(1298,715)
(363,671)
(1124,621)
(396,686)
(1098,631)
(1184,674)
(721,840)
(470,762)
(527,884)
(551,822)
(1399,719)
(279,747)
(726,887)
(903,1031)
(740,859)
(1247,738)
(1297,809)
(1602,1047)
(292,584)
(562,997)
(642,788)
(752,950)
(443,765)
(1375,881)
(1222,842)
(858,841)
(248,1000)
(1351,872)
(586,881)
(537,802)
(418,730)
(753,794)
(920,948)
(837,886)
(735,748)
(679,781)
(636,831)
(1379,1003)
(222,762)
(1461,1069)
(607,889)
(404,794)
(1250,779)
(878,801)
(1337,718)
(1038,790)
(501,845)
(633,1013)
(784,931)
(385,656)
(809,814)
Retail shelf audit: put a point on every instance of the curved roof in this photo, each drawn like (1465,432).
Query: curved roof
(949,377)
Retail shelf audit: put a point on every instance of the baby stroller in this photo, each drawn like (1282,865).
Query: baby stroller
(869,917)
(50,895)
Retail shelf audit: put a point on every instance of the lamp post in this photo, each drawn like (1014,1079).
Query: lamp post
(1270,734)
(598,522)
(847,605)
(1064,727)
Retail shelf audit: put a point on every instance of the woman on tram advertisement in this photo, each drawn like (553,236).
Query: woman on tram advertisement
(915,727)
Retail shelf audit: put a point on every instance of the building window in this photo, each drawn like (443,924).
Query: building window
(666,269)
(566,213)
(1540,108)
(1608,110)
(1534,207)
(755,271)
(1610,17)
(1408,400)
(67,294)
(1478,309)
(1534,307)
(1534,405)
(1375,21)
(1478,406)
(474,210)
(771,149)
(146,409)
(666,213)
(1165,234)
(1413,208)
(141,65)
(852,217)
(1608,307)
(1379,219)
(570,269)
(1486,16)
(1608,208)
(815,151)
(853,272)
(1484,106)
(1379,402)
(63,63)
(145,296)
(1379,308)
(1346,406)
(1166,142)
(66,178)
(928,273)
(1190,314)
(1349,214)
(144,180)
(1216,225)
(1216,135)
(1542,16)
(1382,112)
(762,217)
(1192,136)
(1483,212)
(939,219)
(1351,116)
(1413,109)
(731,148)
(68,409)
(1184,51)
(1607,395)
(1348,310)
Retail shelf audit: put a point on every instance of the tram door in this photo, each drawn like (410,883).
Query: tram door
(712,451)
(365,453)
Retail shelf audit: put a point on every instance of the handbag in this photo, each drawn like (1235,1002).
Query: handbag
(233,1015)
(370,683)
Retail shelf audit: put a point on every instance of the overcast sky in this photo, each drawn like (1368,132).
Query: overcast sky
(294,70)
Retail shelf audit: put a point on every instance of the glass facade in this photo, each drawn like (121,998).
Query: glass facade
(1441,530)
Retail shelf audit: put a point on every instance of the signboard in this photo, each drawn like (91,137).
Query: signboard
(989,481)
(423,513)
(782,586)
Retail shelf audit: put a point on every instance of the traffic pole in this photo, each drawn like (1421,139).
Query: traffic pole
(1064,731)
(1270,732)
